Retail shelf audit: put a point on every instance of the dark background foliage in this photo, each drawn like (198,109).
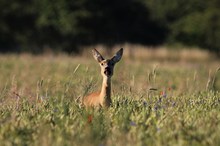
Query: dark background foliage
(65,25)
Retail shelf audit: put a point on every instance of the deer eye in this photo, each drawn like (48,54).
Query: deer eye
(102,64)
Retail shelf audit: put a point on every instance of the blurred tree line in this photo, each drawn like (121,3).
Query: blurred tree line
(64,25)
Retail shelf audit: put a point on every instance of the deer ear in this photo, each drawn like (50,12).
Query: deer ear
(117,56)
(97,55)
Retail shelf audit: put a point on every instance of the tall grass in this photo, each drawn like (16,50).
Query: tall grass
(174,102)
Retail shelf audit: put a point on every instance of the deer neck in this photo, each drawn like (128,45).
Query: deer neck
(105,94)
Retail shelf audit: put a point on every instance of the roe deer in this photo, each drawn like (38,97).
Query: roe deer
(103,98)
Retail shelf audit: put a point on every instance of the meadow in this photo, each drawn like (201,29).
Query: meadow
(159,98)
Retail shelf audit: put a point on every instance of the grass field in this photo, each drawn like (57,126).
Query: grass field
(159,101)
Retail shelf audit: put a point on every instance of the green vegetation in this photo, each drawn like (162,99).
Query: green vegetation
(154,103)
(66,25)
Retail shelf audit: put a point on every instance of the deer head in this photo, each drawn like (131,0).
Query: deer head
(107,65)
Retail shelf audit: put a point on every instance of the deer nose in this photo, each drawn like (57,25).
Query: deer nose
(107,71)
